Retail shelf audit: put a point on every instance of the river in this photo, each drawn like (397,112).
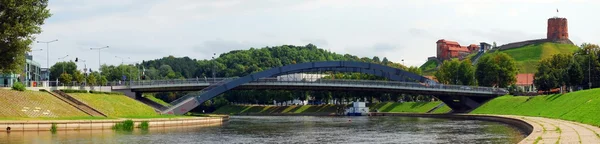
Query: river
(295,129)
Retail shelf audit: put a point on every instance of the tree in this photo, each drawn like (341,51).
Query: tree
(385,61)
(376,59)
(456,72)
(497,69)
(91,79)
(57,69)
(103,80)
(21,19)
(415,70)
(65,78)
(466,73)
(78,77)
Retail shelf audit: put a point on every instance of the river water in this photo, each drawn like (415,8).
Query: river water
(295,129)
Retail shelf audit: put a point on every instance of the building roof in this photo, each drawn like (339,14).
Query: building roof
(447,42)
(525,79)
(473,45)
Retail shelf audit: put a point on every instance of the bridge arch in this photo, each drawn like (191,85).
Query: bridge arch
(394,74)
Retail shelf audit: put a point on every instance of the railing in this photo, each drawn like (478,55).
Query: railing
(213,85)
(275,81)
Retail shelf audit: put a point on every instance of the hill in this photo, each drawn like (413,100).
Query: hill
(528,57)
(581,106)
(428,67)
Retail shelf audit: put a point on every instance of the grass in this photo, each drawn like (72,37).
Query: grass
(33,104)
(126,125)
(159,101)
(528,57)
(428,67)
(409,107)
(117,105)
(296,109)
(537,140)
(53,128)
(581,106)
(144,125)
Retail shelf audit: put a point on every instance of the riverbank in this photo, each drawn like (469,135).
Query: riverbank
(325,110)
(59,125)
(581,106)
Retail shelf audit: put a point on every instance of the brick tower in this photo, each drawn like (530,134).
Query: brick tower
(557,29)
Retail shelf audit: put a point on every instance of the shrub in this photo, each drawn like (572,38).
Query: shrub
(126,125)
(53,128)
(73,91)
(18,86)
(144,125)
(43,90)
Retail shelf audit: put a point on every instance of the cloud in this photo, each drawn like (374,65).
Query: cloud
(317,42)
(207,48)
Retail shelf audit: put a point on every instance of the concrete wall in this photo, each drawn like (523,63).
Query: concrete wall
(105,124)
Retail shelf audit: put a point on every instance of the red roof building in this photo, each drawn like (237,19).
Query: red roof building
(450,49)
(525,79)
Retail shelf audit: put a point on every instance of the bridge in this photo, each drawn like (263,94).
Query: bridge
(459,98)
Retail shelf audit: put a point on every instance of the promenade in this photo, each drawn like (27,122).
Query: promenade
(550,131)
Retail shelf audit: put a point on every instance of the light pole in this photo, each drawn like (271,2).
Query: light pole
(122,58)
(26,69)
(48,56)
(62,58)
(213,68)
(589,69)
(99,48)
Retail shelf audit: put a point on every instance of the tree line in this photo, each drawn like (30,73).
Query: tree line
(570,71)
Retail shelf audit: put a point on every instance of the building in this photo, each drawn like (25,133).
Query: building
(30,75)
(485,46)
(525,81)
(557,29)
(450,49)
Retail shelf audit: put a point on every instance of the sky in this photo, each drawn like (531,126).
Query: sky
(137,30)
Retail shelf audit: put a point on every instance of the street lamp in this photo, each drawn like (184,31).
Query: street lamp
(48,56)
(99,48)
(122,58)
(62,58)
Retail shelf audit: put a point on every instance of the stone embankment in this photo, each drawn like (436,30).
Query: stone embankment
(539,130)
(46,125)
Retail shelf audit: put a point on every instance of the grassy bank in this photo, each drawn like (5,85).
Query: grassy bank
(295,109)
(117,105)
(16,105)
(409,107)
(581,106)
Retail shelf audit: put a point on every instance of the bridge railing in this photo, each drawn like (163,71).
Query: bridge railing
(212,82)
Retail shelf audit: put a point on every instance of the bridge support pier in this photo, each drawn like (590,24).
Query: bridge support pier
(463,104)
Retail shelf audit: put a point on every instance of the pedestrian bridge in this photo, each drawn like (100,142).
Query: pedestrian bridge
(459,98)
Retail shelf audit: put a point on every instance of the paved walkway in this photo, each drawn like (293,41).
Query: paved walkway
(546,130)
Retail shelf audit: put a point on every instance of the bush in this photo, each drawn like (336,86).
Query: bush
(18,86)
(108,93)
(53,128)
(73,91)
(126,125)
(144,125)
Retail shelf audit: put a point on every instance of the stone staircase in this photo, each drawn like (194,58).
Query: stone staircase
(77,104)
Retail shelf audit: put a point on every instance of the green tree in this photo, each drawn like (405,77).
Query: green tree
(103,80)
(448,72)
(415,70)
(57,69)
(91,79)
(21,19)
(65,78)
(466,73)
(497,69)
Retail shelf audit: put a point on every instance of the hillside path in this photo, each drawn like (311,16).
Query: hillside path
(546,130)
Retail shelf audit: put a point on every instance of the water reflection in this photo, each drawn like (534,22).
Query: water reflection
(295,129)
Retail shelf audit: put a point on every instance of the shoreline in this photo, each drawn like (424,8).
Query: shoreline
(46,125)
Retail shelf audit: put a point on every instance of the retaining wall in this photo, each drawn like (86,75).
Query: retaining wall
(45,125)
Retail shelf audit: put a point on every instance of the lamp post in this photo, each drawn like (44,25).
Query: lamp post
(62,58)
(99,48)
(122,58)
(26,69)
(48,56)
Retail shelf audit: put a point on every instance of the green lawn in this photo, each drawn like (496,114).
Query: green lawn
(34,105)
(117,105)
(159,101)
(409,107)
(528,56)
(581,106)
(234,109)
(428,67)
